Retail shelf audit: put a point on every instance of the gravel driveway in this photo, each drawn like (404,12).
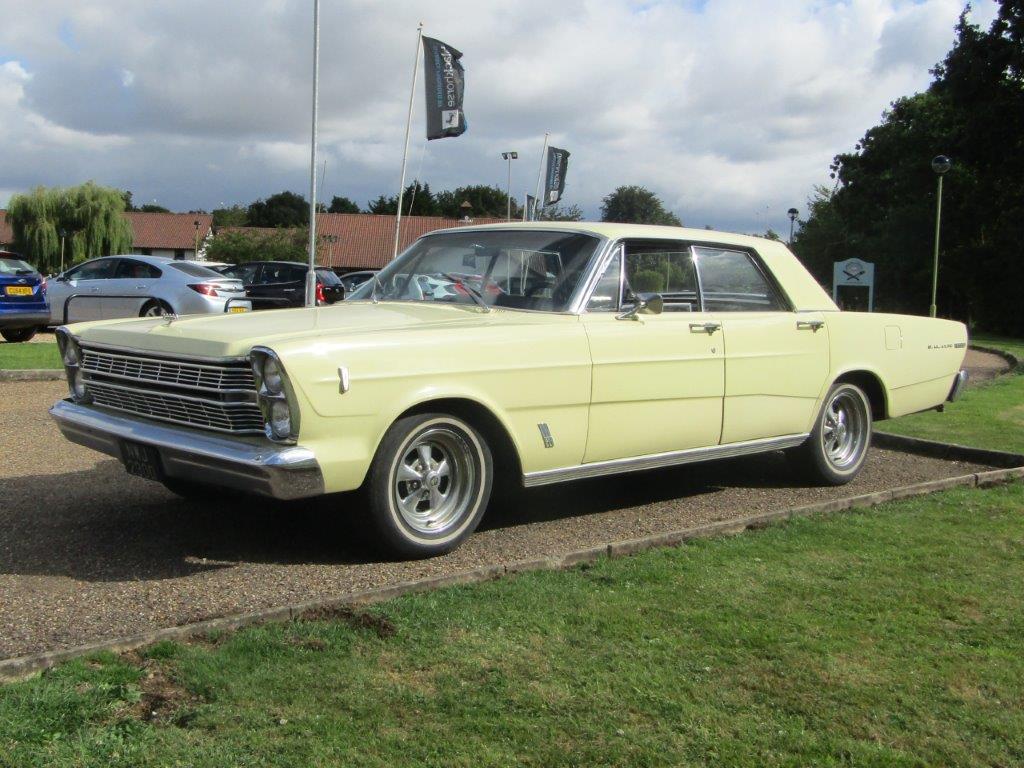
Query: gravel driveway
(88,552)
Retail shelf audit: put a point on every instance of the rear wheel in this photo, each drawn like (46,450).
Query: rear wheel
(155,308)
(835,451)
(429,484)
(15,335)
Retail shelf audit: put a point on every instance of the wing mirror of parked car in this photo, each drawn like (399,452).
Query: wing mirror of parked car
(644,304)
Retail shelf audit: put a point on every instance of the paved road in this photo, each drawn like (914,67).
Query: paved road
(88,552)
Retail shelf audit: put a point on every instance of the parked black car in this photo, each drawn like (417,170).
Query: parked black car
(353,280)
(23,307)
(278,284)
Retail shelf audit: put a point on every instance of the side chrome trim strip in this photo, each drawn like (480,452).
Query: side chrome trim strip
(658,460)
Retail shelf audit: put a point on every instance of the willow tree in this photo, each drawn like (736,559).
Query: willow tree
(91,215)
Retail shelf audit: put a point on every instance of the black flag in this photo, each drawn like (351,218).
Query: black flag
(554,185)
(445,82)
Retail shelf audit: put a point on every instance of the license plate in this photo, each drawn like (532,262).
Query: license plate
(141,460)
(236,310)
(18,290)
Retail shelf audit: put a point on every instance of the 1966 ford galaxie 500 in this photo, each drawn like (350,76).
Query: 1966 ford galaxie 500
(533,352)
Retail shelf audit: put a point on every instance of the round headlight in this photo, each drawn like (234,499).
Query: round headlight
(272,376)
(280,419)
(72,354)
(78,384)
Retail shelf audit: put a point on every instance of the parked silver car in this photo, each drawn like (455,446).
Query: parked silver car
(140,286)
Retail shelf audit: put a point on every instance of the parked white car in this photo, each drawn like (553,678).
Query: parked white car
(141,286)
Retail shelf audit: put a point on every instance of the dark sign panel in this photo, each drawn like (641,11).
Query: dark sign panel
(554,184)
(444,80)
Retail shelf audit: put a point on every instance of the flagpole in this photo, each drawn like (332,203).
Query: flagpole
(540,171)
(408,125)
(311,273)
(526,202)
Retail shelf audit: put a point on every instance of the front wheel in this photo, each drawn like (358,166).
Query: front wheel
(15,335)
(429,484)
(835,451)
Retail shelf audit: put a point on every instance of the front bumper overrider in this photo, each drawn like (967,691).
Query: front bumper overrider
(254,465)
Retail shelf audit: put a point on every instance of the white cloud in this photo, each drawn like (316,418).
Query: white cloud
(730,110)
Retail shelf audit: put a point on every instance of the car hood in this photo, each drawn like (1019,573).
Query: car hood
(235,334)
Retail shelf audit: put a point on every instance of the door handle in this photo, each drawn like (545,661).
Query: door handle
(707,328)
(141,287)
(810,325)
(94,290)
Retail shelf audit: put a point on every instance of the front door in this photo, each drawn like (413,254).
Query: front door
(80,291)
(776,360)
(658,380)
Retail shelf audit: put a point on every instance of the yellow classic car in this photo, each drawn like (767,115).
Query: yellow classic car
(528,353)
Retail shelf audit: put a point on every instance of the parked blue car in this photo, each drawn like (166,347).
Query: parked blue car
(23,307)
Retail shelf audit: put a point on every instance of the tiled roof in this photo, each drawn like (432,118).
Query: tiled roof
(6,233)
(168,230)
(367,240)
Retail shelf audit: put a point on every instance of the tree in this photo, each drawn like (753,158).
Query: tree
(285,209)
(883,206)
(636,205)
(236,247)
(417,200)
(485,202)
(342,205)
(559,212)
(91,215)
(152,208)
(235,216)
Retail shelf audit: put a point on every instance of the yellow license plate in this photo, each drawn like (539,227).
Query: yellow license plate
(236,310)
(19,290)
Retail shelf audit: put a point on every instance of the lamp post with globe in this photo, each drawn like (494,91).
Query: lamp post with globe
(792,213)
(940,164)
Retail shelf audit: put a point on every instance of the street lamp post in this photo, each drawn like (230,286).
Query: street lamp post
(509,157)
(63,234)
(793,213)
(195,254)
(940,164)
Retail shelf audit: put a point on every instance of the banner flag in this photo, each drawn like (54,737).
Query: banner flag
(444,80)
(554,184)
(530,212)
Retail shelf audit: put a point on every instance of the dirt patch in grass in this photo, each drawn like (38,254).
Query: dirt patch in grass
(357,619)
(162,698)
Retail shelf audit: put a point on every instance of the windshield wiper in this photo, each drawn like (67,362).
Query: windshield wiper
(472,292)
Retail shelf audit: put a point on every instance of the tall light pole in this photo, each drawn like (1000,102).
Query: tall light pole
(509,157)
(311,270)
(63,234)
(793,213)
(940,164)
(195,255)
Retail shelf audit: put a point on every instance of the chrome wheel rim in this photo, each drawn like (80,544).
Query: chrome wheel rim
(155,311)
(844,430)
(433,480)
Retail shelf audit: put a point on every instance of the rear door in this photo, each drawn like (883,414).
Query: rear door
(776,360)
(132,285)
(281,285)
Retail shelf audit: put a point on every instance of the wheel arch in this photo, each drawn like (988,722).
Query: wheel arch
(873,387)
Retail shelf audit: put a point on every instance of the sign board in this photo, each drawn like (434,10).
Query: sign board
(854,272)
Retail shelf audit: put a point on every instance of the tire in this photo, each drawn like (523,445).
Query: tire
(835,451)
(428,485)
(16,335)
(155,309)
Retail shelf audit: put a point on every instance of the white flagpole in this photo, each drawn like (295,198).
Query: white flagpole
(408,125)
(540,172)
(311,273)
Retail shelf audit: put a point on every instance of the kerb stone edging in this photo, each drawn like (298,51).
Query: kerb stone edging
(31,374)
(25,666)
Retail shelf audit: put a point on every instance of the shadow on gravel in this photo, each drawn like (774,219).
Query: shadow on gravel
(104,525)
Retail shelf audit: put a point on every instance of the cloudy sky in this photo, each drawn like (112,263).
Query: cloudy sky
(730,110)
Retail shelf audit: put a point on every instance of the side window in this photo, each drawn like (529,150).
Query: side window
(244,272)
(665,268)
(730,282)
(99,269)
(135,270)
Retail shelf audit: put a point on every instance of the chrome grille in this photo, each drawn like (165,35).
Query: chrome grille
(204,376)
(219,397)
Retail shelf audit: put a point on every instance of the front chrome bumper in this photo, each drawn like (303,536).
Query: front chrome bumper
(959,382)
(252,465)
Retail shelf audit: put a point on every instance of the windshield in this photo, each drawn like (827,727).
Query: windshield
(15,267)
(519,269)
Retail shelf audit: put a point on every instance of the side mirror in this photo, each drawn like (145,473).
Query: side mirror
(644,304)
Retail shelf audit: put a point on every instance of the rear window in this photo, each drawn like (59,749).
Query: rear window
(194,270)
(328,277)
(15,267)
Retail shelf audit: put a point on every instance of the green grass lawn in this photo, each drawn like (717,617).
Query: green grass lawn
(988,415)
(889,637)
(20,356)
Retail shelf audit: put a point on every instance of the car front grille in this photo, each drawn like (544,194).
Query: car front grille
(214,396)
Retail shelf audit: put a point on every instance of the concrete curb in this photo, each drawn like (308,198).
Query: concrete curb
(31,374)
(939,450)
(1011,359)
(25,666)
